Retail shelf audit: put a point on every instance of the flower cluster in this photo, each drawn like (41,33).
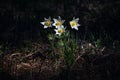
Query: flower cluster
(58,23)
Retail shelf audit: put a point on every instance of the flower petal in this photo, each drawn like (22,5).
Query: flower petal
(76,28)
(45,26)
(55,20)
(42,23)
(78,24)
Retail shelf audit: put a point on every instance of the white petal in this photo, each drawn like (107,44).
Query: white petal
(50,26)
(55,20)
(55,30)
(42,23)
(76,28)
(72,26)
(63,21)
(45,26)
(77,19)
(70,23)
(56,27)
(45,19)
(54,24)
(73,18)
(49,18)
(61,26)
(78,24)
(59,17)
(59,34)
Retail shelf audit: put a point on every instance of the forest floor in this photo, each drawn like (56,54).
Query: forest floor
(36,63)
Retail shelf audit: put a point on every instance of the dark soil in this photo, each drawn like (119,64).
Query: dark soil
(39,65)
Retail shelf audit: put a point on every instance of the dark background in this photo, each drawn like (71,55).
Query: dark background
(20,19)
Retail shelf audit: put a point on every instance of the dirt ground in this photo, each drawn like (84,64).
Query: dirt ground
(39,65)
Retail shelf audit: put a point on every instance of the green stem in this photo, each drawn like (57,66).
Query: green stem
(76,39)
(52,47)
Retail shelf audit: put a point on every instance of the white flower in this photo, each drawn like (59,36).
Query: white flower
(74,23)
(59,31)
(58,22)
(47,23)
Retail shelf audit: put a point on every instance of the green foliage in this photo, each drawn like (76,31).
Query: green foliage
(98,43)
(68,51)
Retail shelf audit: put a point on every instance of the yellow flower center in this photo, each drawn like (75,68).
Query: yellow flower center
(73,23)
(60,31)
(59,23)
(48,23)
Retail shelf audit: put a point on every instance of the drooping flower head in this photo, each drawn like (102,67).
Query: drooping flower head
(74,23)
(59,31)
(47,22)
(58,22)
